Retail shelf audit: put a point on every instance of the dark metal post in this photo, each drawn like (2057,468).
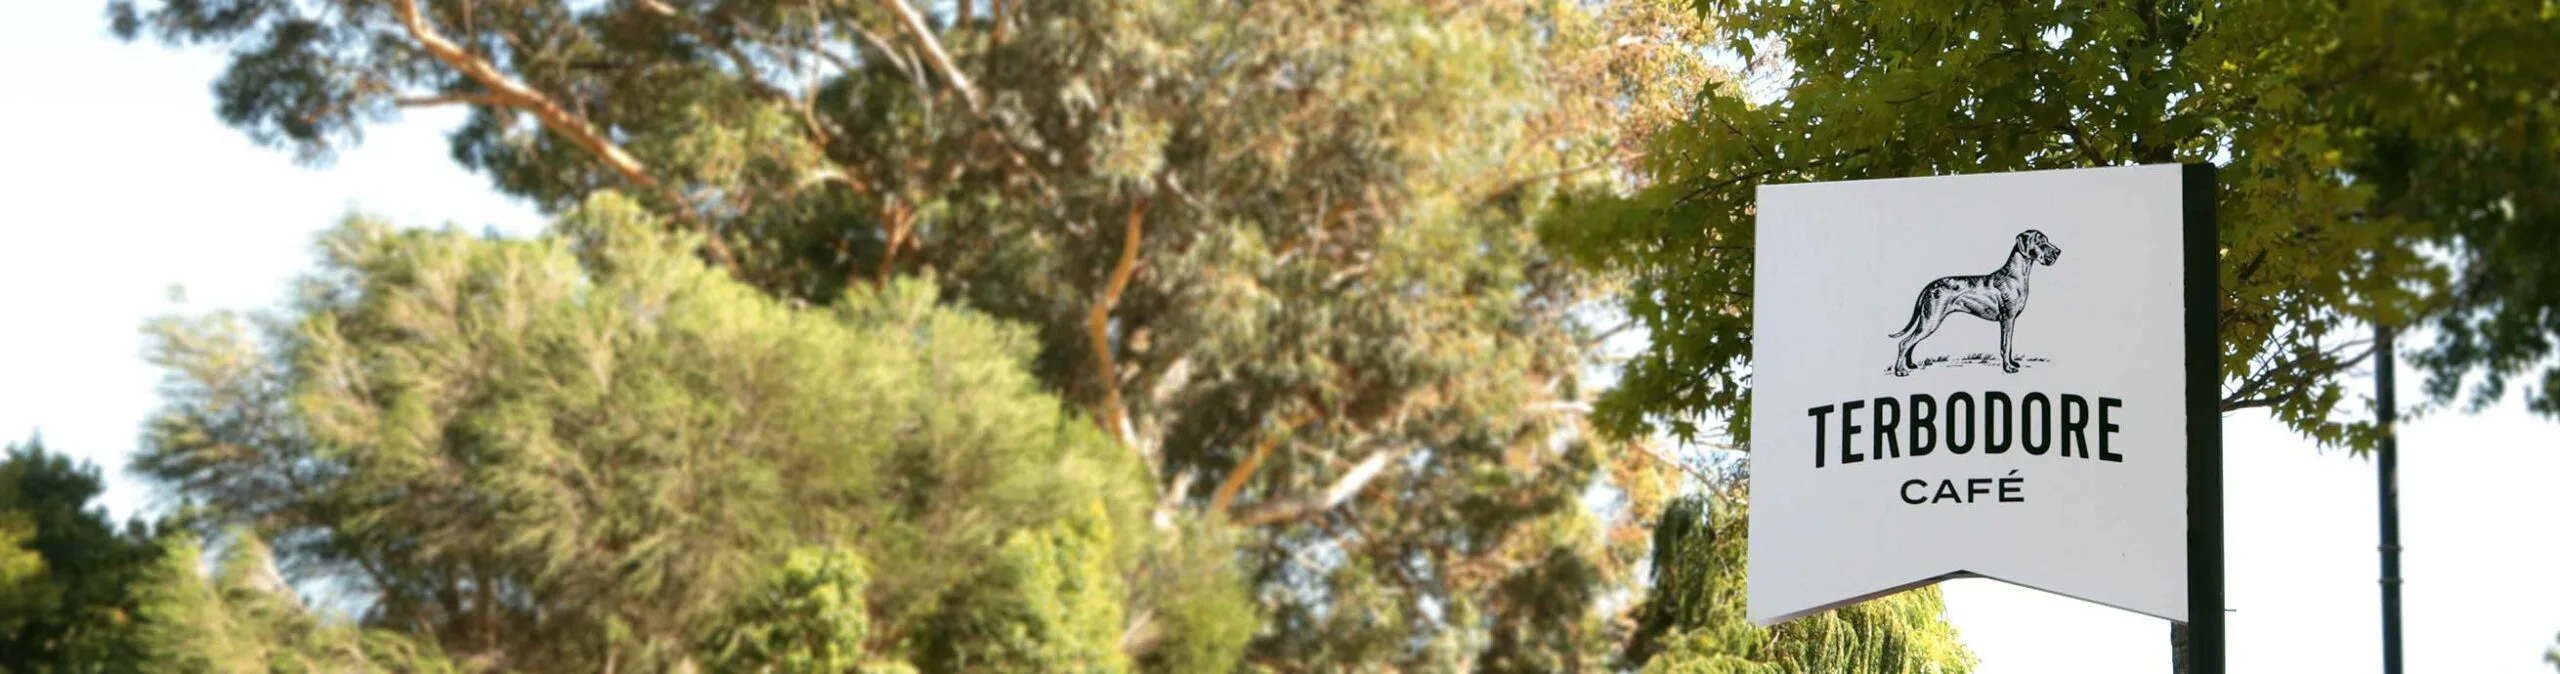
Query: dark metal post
(2205,645)
(2386,462)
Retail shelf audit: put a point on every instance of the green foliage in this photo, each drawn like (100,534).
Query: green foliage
(2297,101)
(808,618)
(1693,622)
(558,453)
(1204,611)
(66,573)
(1049,603)
(1263,245)
(2458,109)
(26,591)
(243,619)
(1280,253)
(80,596)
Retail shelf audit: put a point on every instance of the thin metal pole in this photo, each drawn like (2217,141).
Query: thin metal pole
(2386,461)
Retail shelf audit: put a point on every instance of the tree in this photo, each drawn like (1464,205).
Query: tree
(1692,621)
(1277,251)
(808,618)
(2461,128)
(25,590)
(66,572)
(244,619)
(2344,143)
(1933,88)
(580,452)
(1048,603)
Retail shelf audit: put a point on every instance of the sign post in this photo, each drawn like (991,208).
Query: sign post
(2205,645)
(2013,376)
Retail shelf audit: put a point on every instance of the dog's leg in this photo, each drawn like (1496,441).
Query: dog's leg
(1902,348)
(2008,362)
(1927,324)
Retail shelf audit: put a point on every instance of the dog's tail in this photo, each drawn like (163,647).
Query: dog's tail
(1918,307)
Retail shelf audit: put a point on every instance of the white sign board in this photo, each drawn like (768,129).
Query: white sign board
(1974,375)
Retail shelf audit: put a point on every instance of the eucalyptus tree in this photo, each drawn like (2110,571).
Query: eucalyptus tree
(1280,253)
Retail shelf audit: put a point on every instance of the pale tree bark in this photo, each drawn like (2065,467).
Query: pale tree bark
(1349,485)
(913,22)
(508,92)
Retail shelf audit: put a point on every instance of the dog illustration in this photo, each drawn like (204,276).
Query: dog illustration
(1998,296)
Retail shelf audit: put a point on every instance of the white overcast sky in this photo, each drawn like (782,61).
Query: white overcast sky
(119,183)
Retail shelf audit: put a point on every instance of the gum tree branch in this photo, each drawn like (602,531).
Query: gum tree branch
(913,22)
(509,92)
(1112,416)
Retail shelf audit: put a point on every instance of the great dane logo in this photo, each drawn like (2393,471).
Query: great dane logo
(1998,296)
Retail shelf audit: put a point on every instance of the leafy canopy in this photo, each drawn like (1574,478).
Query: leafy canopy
(2344,141)
(67,572)
(586,448)
(1692,621)
(1280,253)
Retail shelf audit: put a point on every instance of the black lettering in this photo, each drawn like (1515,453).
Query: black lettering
(1946,492)
(1849,431)
(2075,424)
(1906,492)
(1965,416)
(2107,429)
(1818,414)
(1999,422)
(1888,414)
(1975,488)
(1924,426)
(2013,486)
(2035,411)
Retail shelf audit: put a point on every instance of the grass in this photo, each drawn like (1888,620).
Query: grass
(1972,359)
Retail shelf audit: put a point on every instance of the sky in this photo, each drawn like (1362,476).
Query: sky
(121,184)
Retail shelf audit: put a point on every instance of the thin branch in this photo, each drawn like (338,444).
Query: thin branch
(832,174)
(914,24)
(449,99)
(1702,476)
(808,106)
(1142,634)
(1113,417)
(1569,171)
(1914,97)
(897,224)
(1171,499)
(1744,137)
(1244,471)
(507,91)
(996,20)
(1604,335)
(2248,394)
(881,45)
(1352,482)
(2080,143)
(1767,172)
(513,93)
(1575,407)
(737,59)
